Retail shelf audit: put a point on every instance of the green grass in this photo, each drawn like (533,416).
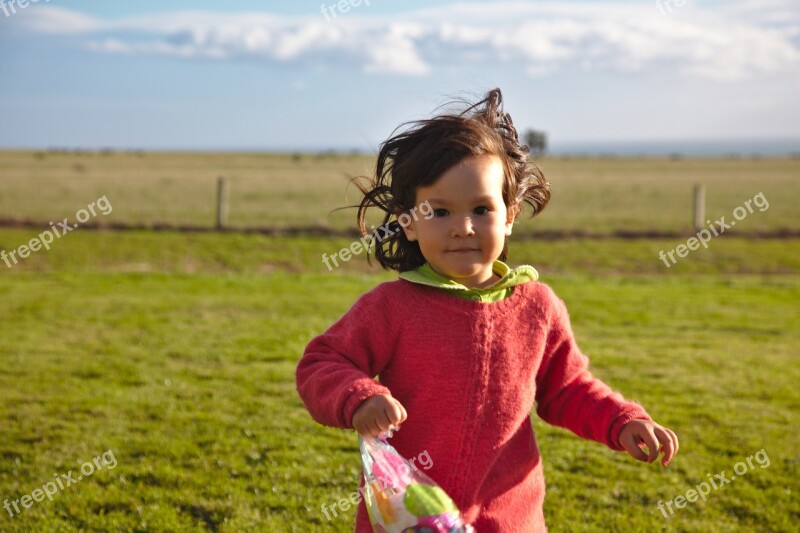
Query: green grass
(279,190)
(142,251)
(177,352)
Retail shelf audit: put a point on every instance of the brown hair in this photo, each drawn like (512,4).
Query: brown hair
(420,154)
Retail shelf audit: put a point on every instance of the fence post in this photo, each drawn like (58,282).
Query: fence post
(222,202)
(699,206)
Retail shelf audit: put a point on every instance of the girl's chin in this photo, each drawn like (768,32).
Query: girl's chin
(468,277)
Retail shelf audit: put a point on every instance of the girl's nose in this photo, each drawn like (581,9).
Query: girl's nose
(462,227)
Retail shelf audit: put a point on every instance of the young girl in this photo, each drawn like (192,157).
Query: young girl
(464,346)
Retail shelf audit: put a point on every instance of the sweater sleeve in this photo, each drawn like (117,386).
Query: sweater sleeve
(337,369)
(568,395)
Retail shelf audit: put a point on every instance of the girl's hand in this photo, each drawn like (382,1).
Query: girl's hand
(378,413)
(638,433)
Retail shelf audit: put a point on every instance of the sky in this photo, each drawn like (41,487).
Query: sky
(278,75)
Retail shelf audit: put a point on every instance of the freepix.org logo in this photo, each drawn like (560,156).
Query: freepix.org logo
(702,490)
(665,6)
(716,229)
(9,7)
(378,235)
(62,481)
(56,231)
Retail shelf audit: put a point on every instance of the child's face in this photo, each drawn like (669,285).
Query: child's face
(467,232)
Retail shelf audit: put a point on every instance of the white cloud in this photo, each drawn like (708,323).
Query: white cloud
(737,40)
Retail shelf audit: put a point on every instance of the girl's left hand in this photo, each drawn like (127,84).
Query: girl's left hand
(657,438)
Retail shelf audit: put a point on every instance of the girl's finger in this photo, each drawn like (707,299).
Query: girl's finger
(364,429)
(675,443)
(631,445)
(378,425)
(651,441)
(667,445)
(394,413)
(384,420)
(674,439)
(403,413)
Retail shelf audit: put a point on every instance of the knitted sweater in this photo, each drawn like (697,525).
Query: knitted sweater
(469,374)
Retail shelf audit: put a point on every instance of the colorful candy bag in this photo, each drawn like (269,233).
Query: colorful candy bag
(400,498)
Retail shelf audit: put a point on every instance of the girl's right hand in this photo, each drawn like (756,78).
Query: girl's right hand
(378,413)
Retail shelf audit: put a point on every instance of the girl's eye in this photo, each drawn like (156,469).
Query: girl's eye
(482,210)
(440,212)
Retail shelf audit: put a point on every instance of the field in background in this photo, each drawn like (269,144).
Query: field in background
(268,190)
(177,350)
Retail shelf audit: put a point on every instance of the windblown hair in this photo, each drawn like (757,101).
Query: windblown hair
(419,155)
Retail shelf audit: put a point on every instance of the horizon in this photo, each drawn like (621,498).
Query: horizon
(787,147)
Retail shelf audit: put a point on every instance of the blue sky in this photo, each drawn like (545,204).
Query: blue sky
(283,75)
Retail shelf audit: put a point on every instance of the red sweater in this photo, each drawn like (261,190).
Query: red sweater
(469,374)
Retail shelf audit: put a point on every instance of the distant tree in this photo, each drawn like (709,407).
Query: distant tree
(536,141)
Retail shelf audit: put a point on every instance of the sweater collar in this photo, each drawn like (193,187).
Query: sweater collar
(426,275)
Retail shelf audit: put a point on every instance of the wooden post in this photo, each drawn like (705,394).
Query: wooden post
(699,207)
(222,202)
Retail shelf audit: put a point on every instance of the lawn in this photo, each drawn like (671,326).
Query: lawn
(177,353)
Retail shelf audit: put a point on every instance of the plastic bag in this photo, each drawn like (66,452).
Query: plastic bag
(400,498)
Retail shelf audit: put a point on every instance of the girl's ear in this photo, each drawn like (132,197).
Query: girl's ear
(406,220)
(511,214)
(410,230)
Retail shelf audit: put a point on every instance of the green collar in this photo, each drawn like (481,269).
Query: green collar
(503,288)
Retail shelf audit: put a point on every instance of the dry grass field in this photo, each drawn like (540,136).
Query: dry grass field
(591,195)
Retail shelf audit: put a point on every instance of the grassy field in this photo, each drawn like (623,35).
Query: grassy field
(177,351)
(268,190)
